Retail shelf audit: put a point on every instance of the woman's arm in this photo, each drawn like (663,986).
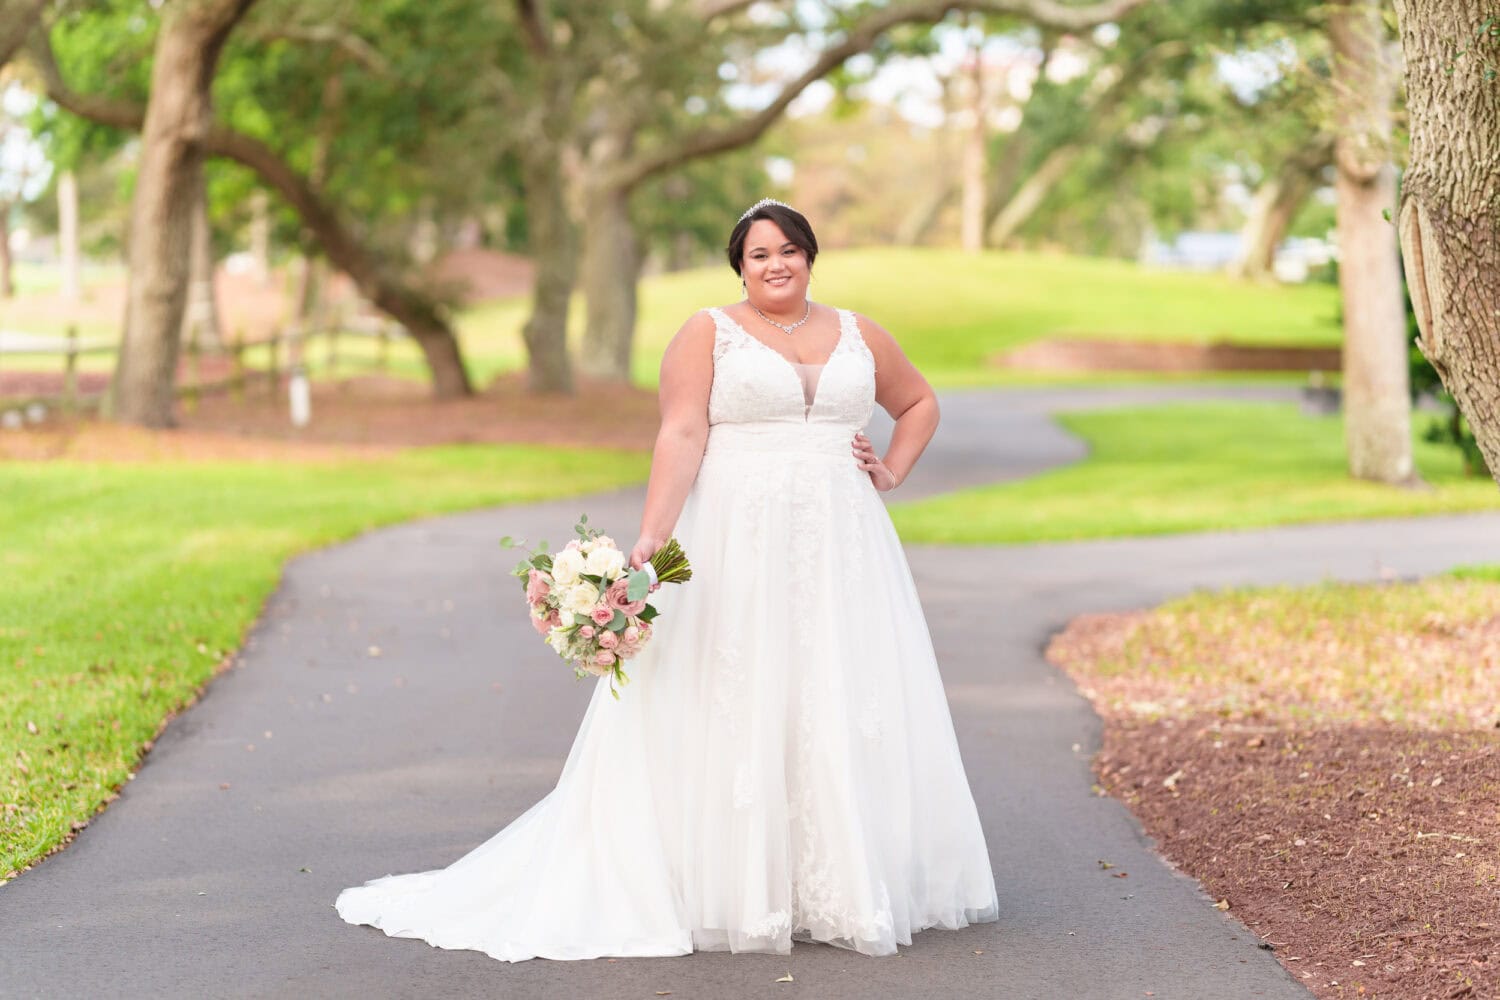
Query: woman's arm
(902,391)
(687,370)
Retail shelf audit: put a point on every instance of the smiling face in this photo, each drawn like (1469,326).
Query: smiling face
(774,268)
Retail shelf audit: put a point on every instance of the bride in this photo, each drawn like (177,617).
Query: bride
(784,764)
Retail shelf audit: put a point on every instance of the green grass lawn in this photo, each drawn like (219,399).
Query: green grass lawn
(1190,467)
(952,312)
(126,585)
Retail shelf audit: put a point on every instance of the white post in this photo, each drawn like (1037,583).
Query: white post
(67,236)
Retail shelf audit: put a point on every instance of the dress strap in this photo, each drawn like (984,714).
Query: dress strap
(849,336)
(727,332)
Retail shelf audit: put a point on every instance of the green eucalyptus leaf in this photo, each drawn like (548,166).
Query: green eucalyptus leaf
(640,585)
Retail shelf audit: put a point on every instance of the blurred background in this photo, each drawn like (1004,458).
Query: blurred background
(468,196)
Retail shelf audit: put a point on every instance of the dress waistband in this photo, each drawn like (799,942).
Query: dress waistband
(834,440)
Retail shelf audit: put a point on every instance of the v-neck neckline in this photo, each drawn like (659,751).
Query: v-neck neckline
(791,366)
(817,364)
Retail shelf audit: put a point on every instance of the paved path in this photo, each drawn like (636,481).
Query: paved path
(363,765)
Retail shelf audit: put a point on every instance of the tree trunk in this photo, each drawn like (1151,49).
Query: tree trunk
(200,319)
(423,245)
(309,285)
(553,243)
(971,172)
(178,118)
(1276,204)
(1030,195)
(7,283)
(923,215)
(1448,225)
(1377,403)
(1004,178)
(260,235)
(611,271)
(67,236)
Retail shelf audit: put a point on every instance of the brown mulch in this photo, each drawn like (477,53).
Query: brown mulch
(1069,354)
(356,417)
(1326,762)
(1368,857)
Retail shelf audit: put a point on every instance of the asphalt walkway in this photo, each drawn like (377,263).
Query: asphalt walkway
(393,708)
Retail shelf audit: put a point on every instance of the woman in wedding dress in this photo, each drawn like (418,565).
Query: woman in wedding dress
(783,764)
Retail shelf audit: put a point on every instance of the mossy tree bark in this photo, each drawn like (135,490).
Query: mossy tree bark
(1449,221)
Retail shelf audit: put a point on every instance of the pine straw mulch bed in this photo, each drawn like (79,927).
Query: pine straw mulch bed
(1326,762)
(353,418)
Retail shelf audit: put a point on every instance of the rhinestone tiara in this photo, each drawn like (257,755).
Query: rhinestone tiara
(762,204)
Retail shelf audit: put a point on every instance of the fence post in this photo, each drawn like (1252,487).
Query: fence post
(70,371)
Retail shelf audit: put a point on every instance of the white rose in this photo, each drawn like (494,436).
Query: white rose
(588,546)
(558,640)
(566,566)
(606,562)
(580,598)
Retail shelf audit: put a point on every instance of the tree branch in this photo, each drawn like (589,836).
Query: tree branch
(710,9)
(328,34)
(94,108)
(531,24)
(16,20)
(860,36)
(337,241)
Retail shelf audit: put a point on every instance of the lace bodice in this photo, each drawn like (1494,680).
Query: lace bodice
(752,383)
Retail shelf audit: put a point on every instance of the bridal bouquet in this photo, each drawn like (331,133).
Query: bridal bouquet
(589,605)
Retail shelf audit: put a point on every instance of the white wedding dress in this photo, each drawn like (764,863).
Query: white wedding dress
(783,763)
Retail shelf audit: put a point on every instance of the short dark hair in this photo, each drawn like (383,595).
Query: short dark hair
(790,221)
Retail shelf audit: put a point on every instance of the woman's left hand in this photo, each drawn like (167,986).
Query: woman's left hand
(883,478)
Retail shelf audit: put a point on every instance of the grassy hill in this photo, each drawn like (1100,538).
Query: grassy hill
(953,312)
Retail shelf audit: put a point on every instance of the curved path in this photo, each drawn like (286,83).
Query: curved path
(392,709)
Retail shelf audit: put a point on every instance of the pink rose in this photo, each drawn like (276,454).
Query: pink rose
(540,624)
(587,631)
(608,640)
(555,618)
(604,658)
(618,596)
(536,586)
(631,633)
(602,614)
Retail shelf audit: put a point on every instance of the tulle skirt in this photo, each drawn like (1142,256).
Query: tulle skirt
(782,764)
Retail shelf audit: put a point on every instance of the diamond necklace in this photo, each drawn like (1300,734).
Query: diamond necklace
(783,327)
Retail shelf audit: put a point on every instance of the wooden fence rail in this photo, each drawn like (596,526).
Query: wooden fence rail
(283,351)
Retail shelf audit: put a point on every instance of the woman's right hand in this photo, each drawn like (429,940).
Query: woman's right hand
(645,547)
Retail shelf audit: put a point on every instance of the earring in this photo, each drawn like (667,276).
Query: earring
(743,290)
